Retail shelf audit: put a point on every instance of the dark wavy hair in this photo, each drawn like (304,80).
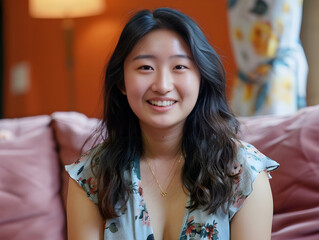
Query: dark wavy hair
(209,137)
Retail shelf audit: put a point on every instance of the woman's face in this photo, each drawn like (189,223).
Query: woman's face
(161,80)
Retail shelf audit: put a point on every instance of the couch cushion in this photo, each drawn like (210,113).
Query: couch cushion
(30,204)
(72,129)
(292,141)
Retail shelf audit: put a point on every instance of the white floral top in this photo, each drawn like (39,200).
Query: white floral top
(134,222)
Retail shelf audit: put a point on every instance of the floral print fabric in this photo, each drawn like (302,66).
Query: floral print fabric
(272,67)
(134,221)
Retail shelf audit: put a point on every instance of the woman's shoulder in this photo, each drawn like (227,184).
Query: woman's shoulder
(83,171)
(250,157)
(248,164)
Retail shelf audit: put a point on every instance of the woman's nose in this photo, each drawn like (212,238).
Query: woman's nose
(163,82)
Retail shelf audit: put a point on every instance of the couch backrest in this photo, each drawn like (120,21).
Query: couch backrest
(292,141)
(30,169)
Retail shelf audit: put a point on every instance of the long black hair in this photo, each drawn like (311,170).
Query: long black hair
(209,137)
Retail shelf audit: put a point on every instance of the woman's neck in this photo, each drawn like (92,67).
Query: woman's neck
(163,144)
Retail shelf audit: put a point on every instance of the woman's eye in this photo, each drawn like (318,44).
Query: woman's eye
(145,67)
(179,67)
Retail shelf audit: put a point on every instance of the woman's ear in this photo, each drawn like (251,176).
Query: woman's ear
(121,87)
(123,91)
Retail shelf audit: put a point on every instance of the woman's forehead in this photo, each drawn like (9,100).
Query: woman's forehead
(161,43)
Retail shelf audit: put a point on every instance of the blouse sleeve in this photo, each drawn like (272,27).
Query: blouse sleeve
(250,162)
(81,172)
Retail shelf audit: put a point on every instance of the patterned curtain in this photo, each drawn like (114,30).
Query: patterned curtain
(272,75)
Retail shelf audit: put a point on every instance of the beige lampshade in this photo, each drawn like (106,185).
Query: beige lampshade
(65,8)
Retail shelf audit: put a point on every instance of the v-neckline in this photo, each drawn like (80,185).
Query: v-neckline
(186,211)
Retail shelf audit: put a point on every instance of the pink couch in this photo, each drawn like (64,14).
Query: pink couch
(33,183)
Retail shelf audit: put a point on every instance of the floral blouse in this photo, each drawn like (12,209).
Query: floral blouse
(134,222)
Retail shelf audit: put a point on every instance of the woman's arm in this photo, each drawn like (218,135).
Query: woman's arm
(254,220)
(83,217)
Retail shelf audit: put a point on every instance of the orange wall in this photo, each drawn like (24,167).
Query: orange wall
(40,43)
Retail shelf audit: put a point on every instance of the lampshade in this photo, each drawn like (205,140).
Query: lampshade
(65,8)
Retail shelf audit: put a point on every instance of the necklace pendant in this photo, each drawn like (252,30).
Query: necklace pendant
(163,194)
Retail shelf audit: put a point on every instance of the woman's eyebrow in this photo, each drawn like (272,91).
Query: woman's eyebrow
(181,56)
(143,56)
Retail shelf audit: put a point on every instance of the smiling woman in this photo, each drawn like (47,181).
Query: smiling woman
(171,166)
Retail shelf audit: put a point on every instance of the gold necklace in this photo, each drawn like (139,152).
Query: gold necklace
(164,193)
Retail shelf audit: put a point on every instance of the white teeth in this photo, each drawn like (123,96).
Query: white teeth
(162,103)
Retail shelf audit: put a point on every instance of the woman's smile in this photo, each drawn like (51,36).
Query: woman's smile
(164,103)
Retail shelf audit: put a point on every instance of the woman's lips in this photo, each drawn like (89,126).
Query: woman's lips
(161,105)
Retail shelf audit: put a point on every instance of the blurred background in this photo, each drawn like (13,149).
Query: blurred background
(57,64)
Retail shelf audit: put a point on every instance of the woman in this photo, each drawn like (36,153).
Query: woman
(171,166)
